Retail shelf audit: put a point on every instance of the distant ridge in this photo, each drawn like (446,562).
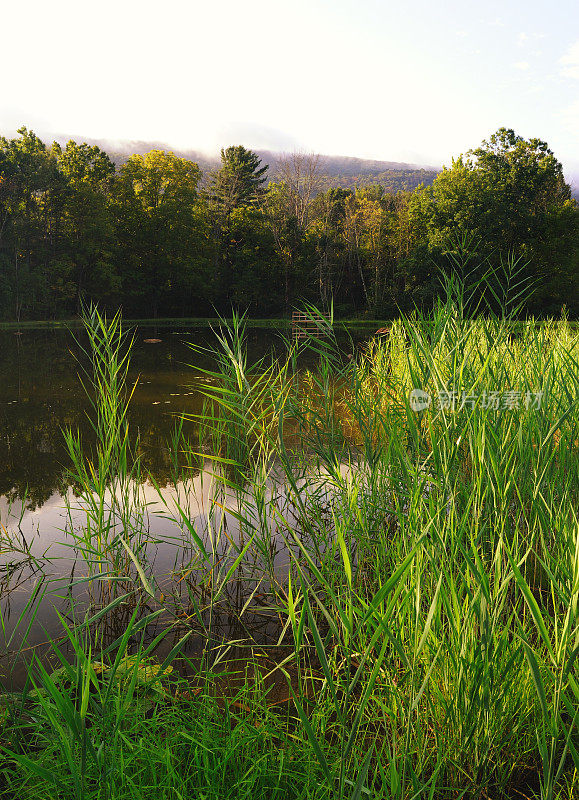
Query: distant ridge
(342,171)
(351,165)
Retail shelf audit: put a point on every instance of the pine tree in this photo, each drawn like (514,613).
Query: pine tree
(240,180)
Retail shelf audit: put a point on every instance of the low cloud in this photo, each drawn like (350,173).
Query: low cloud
(258,136)
(522,65)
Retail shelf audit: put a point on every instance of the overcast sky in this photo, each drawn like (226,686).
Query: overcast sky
(419,81)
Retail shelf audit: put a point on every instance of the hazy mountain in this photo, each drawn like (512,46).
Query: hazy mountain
(344,171)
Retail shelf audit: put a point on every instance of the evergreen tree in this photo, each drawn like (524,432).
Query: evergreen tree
(240,180)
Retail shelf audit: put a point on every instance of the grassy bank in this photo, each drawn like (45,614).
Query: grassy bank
(417,561)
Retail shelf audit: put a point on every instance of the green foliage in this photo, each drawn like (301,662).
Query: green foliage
(421,569)
(508,197)
(157,237)
(159,228)
(83,164)
(240,180)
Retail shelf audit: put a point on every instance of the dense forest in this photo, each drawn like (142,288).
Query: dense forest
(159,236)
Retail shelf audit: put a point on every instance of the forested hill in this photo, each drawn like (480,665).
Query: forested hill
(348,172)
(345,172)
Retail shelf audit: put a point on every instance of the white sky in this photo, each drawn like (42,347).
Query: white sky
(419,81)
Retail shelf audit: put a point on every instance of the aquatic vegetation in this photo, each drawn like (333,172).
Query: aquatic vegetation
(384,592)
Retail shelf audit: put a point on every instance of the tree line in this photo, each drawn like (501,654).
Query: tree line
(160,238)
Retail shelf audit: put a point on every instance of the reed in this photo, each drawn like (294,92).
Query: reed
(421,566)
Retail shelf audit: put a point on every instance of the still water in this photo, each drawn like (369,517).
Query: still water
(41,395)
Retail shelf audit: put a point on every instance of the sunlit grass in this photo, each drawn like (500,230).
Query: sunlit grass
(421,569)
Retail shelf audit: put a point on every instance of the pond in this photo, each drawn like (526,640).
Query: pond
(41,394)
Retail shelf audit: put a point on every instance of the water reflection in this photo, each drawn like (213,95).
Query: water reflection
(40,394)
(42,569)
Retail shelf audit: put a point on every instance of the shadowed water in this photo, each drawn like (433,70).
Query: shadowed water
(41,394)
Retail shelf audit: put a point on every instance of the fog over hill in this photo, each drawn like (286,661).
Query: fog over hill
(344,171)
(343,165)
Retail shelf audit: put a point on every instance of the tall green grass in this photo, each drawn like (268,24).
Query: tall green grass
(419,571)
